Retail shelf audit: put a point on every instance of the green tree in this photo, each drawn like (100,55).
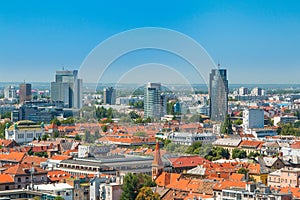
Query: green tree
(238,122)
(242,171)
(129,187)
(141,134)
(41,154)
(297,124)
(253,154)
(45,137)
(134,115)
(104,128)
(146,193)
(55,121)
(77,137)
(59,198)
(194,148)
(55,134)
(3,127)
(237,153)
(69,120)
(170,108)
(6,115)
(226,127)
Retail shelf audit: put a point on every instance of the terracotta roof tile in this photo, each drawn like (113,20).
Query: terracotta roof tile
(13,156)
(6,178)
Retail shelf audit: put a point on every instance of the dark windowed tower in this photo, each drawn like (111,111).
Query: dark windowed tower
(67,88)
(218,94)
(109,96)
(24,92)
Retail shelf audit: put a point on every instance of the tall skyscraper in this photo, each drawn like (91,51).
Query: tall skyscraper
(109,96)
(24,92)
(218,94)
(67,88)
(154,101)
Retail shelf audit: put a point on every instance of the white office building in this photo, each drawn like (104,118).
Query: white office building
(253,118)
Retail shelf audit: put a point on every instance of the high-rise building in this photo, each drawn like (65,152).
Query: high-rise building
(24,92)
(10,92)
(154,101)
(67,88)
(253,118)
(257,91)
(243,91)
(218,94)
(109,96)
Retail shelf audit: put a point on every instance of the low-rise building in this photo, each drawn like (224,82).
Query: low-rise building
(185,138)
(228,143)
(285,177)
(284,119)
(24,131)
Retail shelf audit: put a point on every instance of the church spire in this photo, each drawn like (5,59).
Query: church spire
(157,164)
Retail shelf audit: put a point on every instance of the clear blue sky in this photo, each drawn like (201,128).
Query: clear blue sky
(257,41)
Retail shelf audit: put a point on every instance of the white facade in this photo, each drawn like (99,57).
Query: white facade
(253,118)
(110,191)
(85,151)
(284,119)
(24,131)
(10,92)
(64,190)
(189,138)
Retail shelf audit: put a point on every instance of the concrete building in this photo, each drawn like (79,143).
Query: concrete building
(257,92)
(252,192)
(24,131)
(185,138)
(85,151)
(286,177)
(10,92)
(284,119)
(67,88)
(253,118)
(24,92)
(218,94)
(155,104)
(110,191)
(64,190)
(243,91)
(94,187)
(109,96)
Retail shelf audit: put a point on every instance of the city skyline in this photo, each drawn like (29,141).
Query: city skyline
(249,39)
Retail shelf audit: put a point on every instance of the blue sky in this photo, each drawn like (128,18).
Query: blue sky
(257,41)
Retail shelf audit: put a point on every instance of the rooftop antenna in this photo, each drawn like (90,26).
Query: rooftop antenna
(63,68)
(219,64)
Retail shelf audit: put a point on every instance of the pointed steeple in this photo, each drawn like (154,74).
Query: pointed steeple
(157,157)
(157,164)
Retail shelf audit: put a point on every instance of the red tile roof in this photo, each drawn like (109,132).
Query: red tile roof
(188,161)
(251,144)
(22,169)
(6,178)
(13,156)
(34,160)
(58,175)
(61,157)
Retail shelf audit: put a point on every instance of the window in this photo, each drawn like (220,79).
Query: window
(6,187)
(19,179)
